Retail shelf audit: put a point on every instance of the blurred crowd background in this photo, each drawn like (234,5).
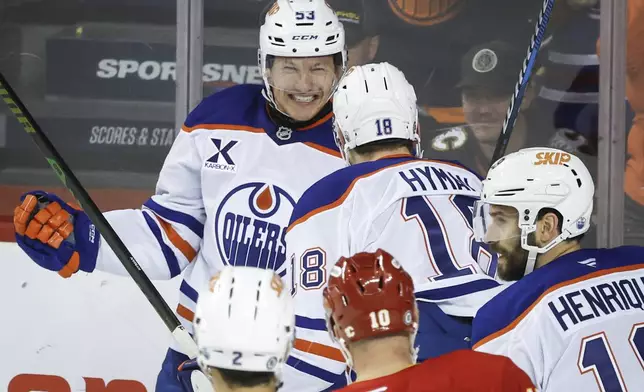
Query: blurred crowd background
(100,78)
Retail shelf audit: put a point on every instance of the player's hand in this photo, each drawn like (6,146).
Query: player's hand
(192,378)
(56,235)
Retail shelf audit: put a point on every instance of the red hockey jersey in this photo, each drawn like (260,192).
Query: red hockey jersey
(458,371)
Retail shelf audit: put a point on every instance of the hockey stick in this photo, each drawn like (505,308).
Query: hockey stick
(70,181)
(524,79)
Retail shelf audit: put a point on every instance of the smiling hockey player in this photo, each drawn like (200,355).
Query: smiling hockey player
(573,319)
(228,185)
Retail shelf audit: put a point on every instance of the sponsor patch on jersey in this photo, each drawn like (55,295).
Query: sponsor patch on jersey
(250,225)
(221,159)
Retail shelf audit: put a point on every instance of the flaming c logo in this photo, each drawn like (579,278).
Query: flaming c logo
(425,12)
(250,225)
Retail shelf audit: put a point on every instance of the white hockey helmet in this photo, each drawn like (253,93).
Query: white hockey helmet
(530,180)
(374,102)
(299,28)
(244,321)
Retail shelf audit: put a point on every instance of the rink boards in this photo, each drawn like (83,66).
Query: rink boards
(86,331)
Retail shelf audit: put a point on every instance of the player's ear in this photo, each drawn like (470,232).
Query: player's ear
(547,228)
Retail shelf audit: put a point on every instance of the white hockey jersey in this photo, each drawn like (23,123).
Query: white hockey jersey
(417,210)
(575,324)
(225,194)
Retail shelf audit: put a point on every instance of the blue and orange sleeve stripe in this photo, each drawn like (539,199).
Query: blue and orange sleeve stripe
(229,127)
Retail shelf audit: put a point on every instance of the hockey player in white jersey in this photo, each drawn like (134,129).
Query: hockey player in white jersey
(230,182)
(244,328)
(574,319)
(417,210)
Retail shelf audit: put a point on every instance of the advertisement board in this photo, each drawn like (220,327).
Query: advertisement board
(138,71)
(91,332)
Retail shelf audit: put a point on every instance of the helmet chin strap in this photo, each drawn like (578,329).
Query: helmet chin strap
(532,260)
(345,352)
(418,151)
(345,156)
(534,251)
(268,95)
(412,340)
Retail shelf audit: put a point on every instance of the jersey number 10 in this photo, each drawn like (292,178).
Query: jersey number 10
(380,319)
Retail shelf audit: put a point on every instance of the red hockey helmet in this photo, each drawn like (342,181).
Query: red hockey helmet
(369,295)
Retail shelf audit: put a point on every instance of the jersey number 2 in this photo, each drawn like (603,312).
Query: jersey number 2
(597,357)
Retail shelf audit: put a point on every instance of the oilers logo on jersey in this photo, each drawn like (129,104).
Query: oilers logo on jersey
(248,225)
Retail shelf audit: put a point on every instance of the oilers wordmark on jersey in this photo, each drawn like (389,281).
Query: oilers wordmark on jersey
(249,225)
